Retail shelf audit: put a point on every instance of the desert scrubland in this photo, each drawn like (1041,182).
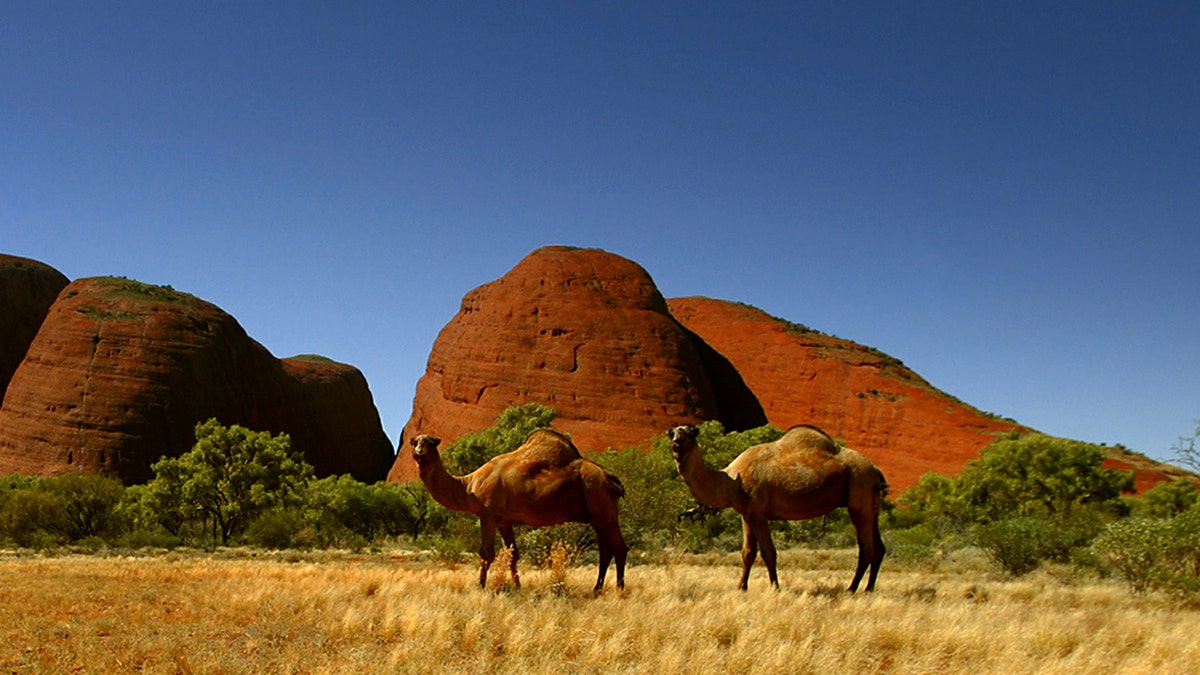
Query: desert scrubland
(402,611)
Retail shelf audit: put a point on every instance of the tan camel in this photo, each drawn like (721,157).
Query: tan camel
(543,482)
(799,476)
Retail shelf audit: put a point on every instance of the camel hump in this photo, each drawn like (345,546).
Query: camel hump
(811,427)
(549,446)
(809,437)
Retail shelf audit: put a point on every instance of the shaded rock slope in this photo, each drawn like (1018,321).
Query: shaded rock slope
(27,289)
(581,330)
(120,372)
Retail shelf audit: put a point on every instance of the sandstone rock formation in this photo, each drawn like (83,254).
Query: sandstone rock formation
(868,399)
(27,289)
(587,332)
(328,410)
(121,372)
(583,331)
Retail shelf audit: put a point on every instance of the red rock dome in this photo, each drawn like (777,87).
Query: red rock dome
(581,330)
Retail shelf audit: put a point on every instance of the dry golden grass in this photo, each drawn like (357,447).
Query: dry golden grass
(330,613)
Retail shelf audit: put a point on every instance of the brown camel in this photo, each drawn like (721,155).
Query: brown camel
(799,476)
(543,482)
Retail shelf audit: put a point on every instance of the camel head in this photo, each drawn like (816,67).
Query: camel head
(683,440)
(425,449)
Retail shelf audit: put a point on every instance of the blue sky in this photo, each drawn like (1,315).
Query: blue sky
(1004,195)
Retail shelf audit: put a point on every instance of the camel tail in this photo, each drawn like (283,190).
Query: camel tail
(615,485)
(884,488)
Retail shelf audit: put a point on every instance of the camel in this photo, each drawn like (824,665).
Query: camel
(802,475)
(543,482)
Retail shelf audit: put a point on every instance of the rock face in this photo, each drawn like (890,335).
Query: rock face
(870,400)
(585,332)
(27,289)
(864,397)
(588,333)
(328,410)
(121,372)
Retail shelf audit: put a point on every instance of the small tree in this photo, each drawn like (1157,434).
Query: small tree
(505,435)
(230,477)
(1037,475)
(1170,498)
(87,504)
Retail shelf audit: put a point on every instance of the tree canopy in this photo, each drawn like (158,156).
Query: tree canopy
(1030,475)
(231,476)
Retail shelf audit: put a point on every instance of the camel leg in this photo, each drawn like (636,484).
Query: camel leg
(487,548)
(762,531)
(612,544)
(749,552)
(870,548)
(606,555)
(876,558)
(510,542)
(621,551)
(603,510)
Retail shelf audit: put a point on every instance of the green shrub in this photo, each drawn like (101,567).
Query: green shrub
(1135,548)
(655,496)
(1154,553)
(31,518)
(279,529)
(41,512)
(1019,544)
(1169,498)
(576,540)
(506,434)
(347,513)
(88,505)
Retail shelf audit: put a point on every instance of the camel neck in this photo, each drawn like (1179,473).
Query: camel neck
(449,491)
(709,486)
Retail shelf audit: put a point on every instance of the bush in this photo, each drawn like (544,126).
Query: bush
(280,529)
(43,512)
(30,519)
(1031,475)
(1134,548)
(1169,498)
(88,505)
(1155,554)
(345,512)
(655,496)
(575,543)
(507,433)
(1019,544)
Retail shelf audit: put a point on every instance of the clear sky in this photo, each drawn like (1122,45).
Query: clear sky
(1004,195)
